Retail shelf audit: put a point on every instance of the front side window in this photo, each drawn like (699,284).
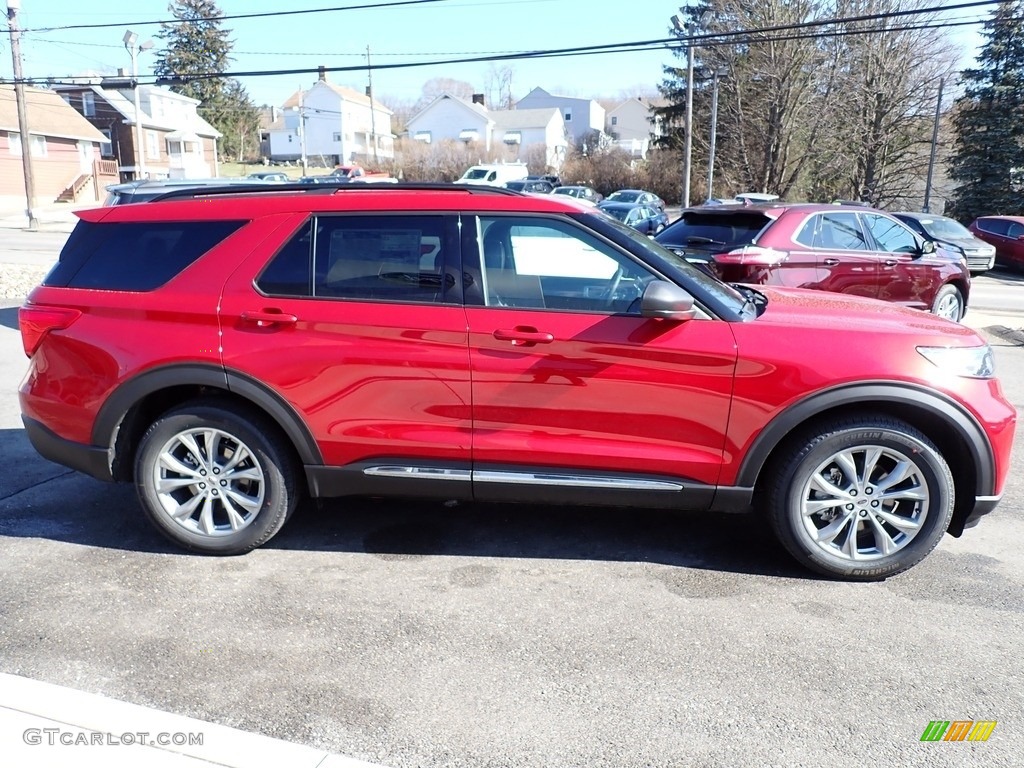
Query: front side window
(367,258)
(890,235)
(539,263)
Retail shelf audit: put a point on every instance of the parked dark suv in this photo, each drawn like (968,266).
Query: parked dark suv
(844,249)
(228,351)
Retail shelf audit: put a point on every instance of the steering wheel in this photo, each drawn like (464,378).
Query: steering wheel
(616,279)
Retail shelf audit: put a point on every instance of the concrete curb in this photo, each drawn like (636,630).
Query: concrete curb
(42,724)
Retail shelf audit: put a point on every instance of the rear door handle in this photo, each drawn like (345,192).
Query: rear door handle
(830,262)
(524,336)
(264,318)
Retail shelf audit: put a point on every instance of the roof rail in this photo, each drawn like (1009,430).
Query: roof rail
(326,188)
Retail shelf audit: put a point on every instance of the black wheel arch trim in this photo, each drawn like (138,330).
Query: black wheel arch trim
(130,392)
(937,403)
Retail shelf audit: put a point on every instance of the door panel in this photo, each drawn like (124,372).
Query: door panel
(846,262)
(372,377)
(568,374)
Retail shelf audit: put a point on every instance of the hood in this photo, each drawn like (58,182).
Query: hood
(860,318)
(962,243)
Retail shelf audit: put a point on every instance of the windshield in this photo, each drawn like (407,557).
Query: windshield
(623,196)
(943,227)
(705,287)
(704,228)
(476,173)
(618,213)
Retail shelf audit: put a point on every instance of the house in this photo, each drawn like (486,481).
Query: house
(505,135)
(632,124)
(339,124)
(455,119)
(177,143)
(581,116)
(64,147)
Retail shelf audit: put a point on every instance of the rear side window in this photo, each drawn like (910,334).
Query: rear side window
(137,256)
(368,258)
(698,227)
(995,226)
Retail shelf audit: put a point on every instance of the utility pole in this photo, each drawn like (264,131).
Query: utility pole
(714,132)
(935,141)
(13,6)
(302,130)
(688,120)
(373,120)
(130,40)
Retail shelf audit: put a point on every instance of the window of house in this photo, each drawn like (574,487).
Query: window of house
(615,120)
(88,104)
(336,137)
(106,147)
(14,143)
(38,146)
(568,115)
(152,145)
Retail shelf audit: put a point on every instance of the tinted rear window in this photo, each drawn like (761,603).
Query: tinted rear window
(704,228)
(134,256)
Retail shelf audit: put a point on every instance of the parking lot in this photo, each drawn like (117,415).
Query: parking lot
(420,634)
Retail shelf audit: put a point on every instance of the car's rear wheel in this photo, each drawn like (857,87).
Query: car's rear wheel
(860,498)
(949,303)
(215,478)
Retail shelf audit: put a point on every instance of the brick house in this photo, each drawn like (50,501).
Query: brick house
(177,143)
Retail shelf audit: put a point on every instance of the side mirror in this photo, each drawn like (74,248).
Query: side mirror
(667,301)
(927,247)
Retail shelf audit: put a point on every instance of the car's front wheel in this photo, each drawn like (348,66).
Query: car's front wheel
(215,478)
(860,498)
(949,303)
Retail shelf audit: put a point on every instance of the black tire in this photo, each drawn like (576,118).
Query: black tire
(949,302)
(835,539)
(253,489)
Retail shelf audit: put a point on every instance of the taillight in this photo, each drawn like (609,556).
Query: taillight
(36,321)
(751,255)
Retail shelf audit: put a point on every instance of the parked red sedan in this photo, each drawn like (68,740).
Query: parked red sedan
(1006,233)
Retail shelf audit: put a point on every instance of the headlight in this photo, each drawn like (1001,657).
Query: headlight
(971,362)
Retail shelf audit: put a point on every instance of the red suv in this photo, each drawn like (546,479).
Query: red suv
(228,351)
(841,248)
(1006,233)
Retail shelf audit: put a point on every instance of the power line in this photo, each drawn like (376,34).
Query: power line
(362,7)
(737,37)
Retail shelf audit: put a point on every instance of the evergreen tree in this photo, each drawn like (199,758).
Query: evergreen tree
(988,155)
(197,50)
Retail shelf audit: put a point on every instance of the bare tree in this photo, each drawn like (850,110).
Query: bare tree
(498,86)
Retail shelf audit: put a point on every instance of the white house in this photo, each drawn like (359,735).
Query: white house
(581,116)
(523,129)
(633,124)
(506,135)
(449,117)
(340,125)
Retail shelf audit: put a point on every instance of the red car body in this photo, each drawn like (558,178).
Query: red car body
(462,398)
(836,248)
(1006,233)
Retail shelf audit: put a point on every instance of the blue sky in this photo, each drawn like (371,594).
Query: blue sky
(448,29)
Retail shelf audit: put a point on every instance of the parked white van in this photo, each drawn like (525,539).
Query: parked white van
(493,174)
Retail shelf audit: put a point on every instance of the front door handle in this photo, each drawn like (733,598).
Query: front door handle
(891,262)
(264,318)
(524,336)
(830,262)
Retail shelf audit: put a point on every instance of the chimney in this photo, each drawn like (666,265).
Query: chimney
(323,73)
(121,72)
(478,98)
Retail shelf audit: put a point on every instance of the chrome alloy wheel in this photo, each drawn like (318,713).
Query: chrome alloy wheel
(208,482)
(948,307)
(864,503)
